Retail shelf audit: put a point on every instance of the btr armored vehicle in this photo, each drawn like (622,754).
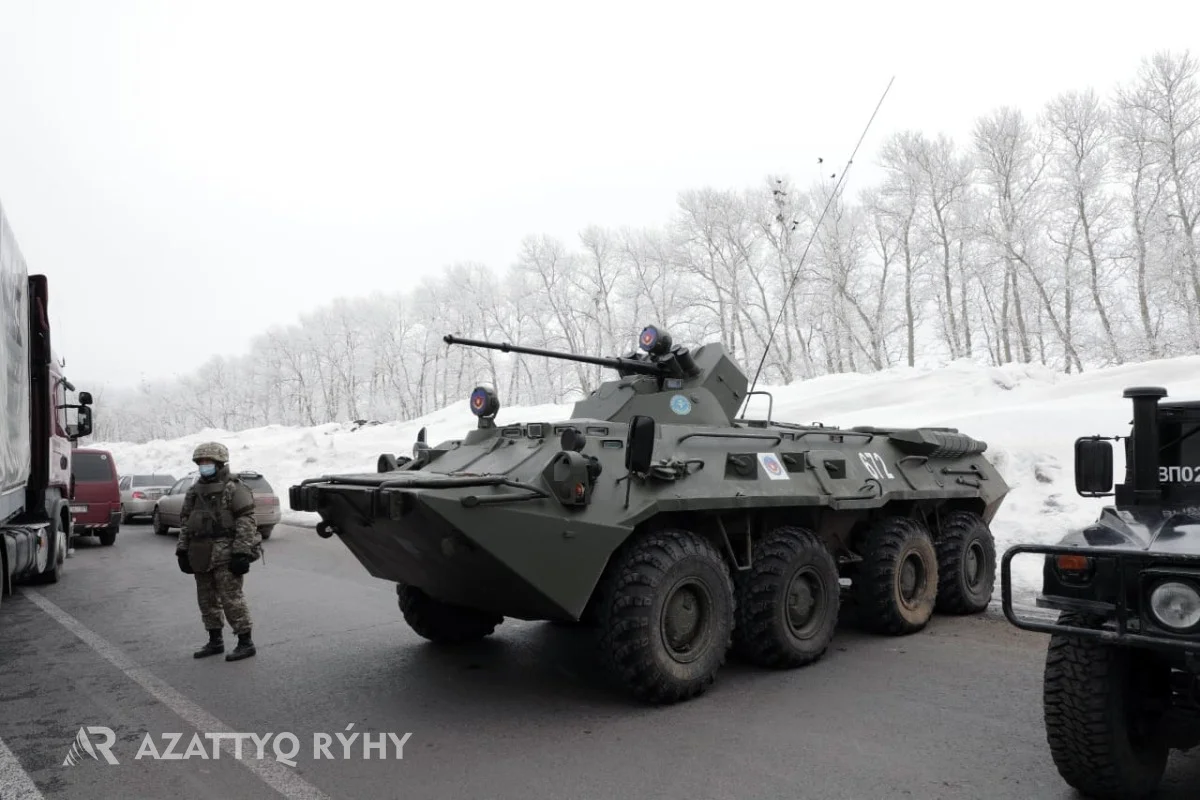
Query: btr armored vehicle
(1122,676)
(670,524)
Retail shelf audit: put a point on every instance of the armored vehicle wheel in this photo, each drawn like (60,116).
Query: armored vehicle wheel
(897,582)
(1101,705)
(966,563)
(665,615)
(787,602)
(442,622)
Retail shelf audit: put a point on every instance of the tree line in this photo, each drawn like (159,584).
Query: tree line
(1065,238)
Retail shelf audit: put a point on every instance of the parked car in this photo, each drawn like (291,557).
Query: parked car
(138,493)
(95,496)
(266,503)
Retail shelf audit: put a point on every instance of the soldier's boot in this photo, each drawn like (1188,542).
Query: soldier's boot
(215,645)
(244,649)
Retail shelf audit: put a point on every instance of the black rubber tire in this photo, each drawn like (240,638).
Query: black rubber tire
(763,635)
(108,536)
(1086,686)
(156,523)
(642,576)
(887,545)
(442,622)
(266,531)
(962,534)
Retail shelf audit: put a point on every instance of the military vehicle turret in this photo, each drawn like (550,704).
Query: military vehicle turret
(1121,686)
(674,526)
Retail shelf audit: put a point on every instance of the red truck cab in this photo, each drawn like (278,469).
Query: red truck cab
(35,432)
(95,495)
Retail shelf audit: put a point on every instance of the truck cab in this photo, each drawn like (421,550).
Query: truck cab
(1122,676)
(36,434)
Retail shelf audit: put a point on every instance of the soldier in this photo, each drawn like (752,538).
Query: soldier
(218,540)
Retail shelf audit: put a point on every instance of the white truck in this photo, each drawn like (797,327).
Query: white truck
(36,439)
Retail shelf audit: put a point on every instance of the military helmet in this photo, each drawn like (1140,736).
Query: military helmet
(212,450)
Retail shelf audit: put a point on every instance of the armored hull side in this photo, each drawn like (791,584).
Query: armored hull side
(481,526)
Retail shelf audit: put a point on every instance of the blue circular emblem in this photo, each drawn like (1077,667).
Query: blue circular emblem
(681,405)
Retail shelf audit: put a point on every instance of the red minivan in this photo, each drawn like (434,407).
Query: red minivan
(95,494)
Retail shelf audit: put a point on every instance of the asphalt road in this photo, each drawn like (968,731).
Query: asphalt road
(953,712)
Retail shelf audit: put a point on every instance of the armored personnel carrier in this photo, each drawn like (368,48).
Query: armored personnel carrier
(1121,686)
(670,524)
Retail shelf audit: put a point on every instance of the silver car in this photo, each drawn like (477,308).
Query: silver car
(266,503)
(139,493)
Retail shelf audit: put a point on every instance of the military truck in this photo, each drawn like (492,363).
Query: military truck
(672,525)
(35,434)
(1121,686)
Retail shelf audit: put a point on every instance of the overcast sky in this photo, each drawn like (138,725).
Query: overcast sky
(188,174)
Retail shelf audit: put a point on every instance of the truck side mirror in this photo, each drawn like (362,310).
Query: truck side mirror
(85,398)
(83,423)
(639,444)
(1093,467)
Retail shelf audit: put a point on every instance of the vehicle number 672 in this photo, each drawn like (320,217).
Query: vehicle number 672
(875,465)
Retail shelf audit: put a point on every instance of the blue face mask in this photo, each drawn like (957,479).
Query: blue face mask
(208,470)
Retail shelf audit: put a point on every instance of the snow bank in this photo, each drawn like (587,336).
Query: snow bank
(1028,415)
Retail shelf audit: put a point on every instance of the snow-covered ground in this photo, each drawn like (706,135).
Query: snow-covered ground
(1028,415)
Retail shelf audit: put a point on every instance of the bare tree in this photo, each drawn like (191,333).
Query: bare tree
(1166,99)
(1080,131)
(909,192)
(1012,164)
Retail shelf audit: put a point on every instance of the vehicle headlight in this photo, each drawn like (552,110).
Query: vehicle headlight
(1176,605)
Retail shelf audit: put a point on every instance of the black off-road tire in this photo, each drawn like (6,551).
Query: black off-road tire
(886,603)
(966,563)
(665,571)
(108,536)
(442,622)
(788,601)
(1095,742)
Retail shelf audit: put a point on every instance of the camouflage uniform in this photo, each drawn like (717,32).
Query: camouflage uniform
(217,541)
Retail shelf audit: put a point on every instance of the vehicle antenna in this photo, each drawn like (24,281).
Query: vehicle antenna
(817,227)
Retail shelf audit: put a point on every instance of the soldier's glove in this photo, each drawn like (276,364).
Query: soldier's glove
(185,564)
(239,563)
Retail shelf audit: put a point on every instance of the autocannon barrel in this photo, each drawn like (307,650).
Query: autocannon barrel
(626,364)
